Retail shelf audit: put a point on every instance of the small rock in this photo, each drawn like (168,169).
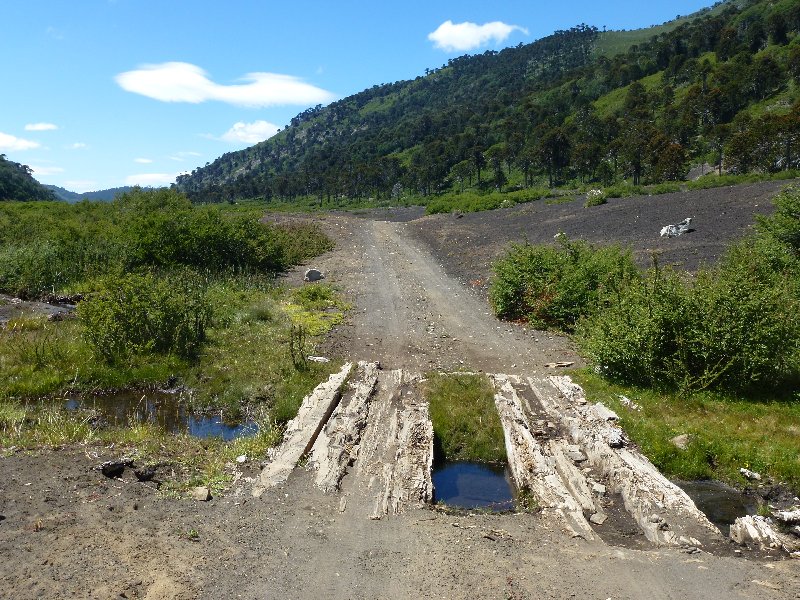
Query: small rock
(2,518)
(598,489)
(751,475)
(144,473)
(598,518)
(114,468)
(313,275)
(319,359)
(577,457)
(241,459)
(654,519)
(604,413)
(681,442)
(201,494)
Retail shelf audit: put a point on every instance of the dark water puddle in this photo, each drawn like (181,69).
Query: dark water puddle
(160,408)
(473,485)
(720,503)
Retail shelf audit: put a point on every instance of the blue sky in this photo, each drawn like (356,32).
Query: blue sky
(104,93)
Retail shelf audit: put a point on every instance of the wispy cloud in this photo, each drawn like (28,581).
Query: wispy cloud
(249,133)
(185,82)
(13,143)
(143,161)
(45,171)
(182,156)
(78,146)
(40,127)
(451,36)
(150,179)
(81,185)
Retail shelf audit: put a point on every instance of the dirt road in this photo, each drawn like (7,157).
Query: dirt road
(67,531)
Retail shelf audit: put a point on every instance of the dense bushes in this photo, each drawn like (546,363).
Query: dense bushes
(49,247)
(136,314)
(556,286)
(735,326)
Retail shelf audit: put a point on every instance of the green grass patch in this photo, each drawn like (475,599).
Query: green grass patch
(465,421)
(726,432)
(474,201)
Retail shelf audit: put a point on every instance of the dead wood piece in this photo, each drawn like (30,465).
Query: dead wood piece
(644,490)
(533,466)
(337,445)
(302,431)
(758,530)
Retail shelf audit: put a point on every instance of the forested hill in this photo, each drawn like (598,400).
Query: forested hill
(17,183)
(722,87)
(99,195)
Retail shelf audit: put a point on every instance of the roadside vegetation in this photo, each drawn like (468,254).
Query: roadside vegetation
(465,422)
(165,291)
(716,351)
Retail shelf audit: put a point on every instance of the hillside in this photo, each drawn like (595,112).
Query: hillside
(17,183)
(720,87)
(99,195)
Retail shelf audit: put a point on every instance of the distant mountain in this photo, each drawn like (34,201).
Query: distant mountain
(100,195)
(17,183)
(580,106)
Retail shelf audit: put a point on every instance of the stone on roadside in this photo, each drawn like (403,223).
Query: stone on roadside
(681,442)
(114,468)
(313,275)
(598,518)
(751,475)
(201,494)
(144,473)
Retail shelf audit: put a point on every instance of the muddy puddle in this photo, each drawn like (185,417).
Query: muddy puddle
(473,485)
(160,408)
(720,503)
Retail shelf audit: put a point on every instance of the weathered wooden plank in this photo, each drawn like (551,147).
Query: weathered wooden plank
(663,511)
(531,469)
(302,431)
(338,444)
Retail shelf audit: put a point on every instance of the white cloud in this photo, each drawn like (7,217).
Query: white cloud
(40,127)
(185,82)
(150,179)
(78,146)
(143,161)
(451,36)
(249,133)
(45,171)
(10,142)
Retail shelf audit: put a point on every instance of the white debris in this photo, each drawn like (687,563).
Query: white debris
(751,475)
(676,230)
(629,403)
(319,359)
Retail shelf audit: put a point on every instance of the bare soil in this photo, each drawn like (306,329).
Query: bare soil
(67,531)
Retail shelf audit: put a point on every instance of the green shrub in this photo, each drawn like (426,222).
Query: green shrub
(556,286)
(736,327)
(137,314)
(595,198)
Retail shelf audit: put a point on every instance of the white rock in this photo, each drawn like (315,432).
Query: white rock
(201,494)
(241,459)
(751,475)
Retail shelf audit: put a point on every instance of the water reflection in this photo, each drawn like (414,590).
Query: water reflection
(473,485)
(720,503)
(160,408)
